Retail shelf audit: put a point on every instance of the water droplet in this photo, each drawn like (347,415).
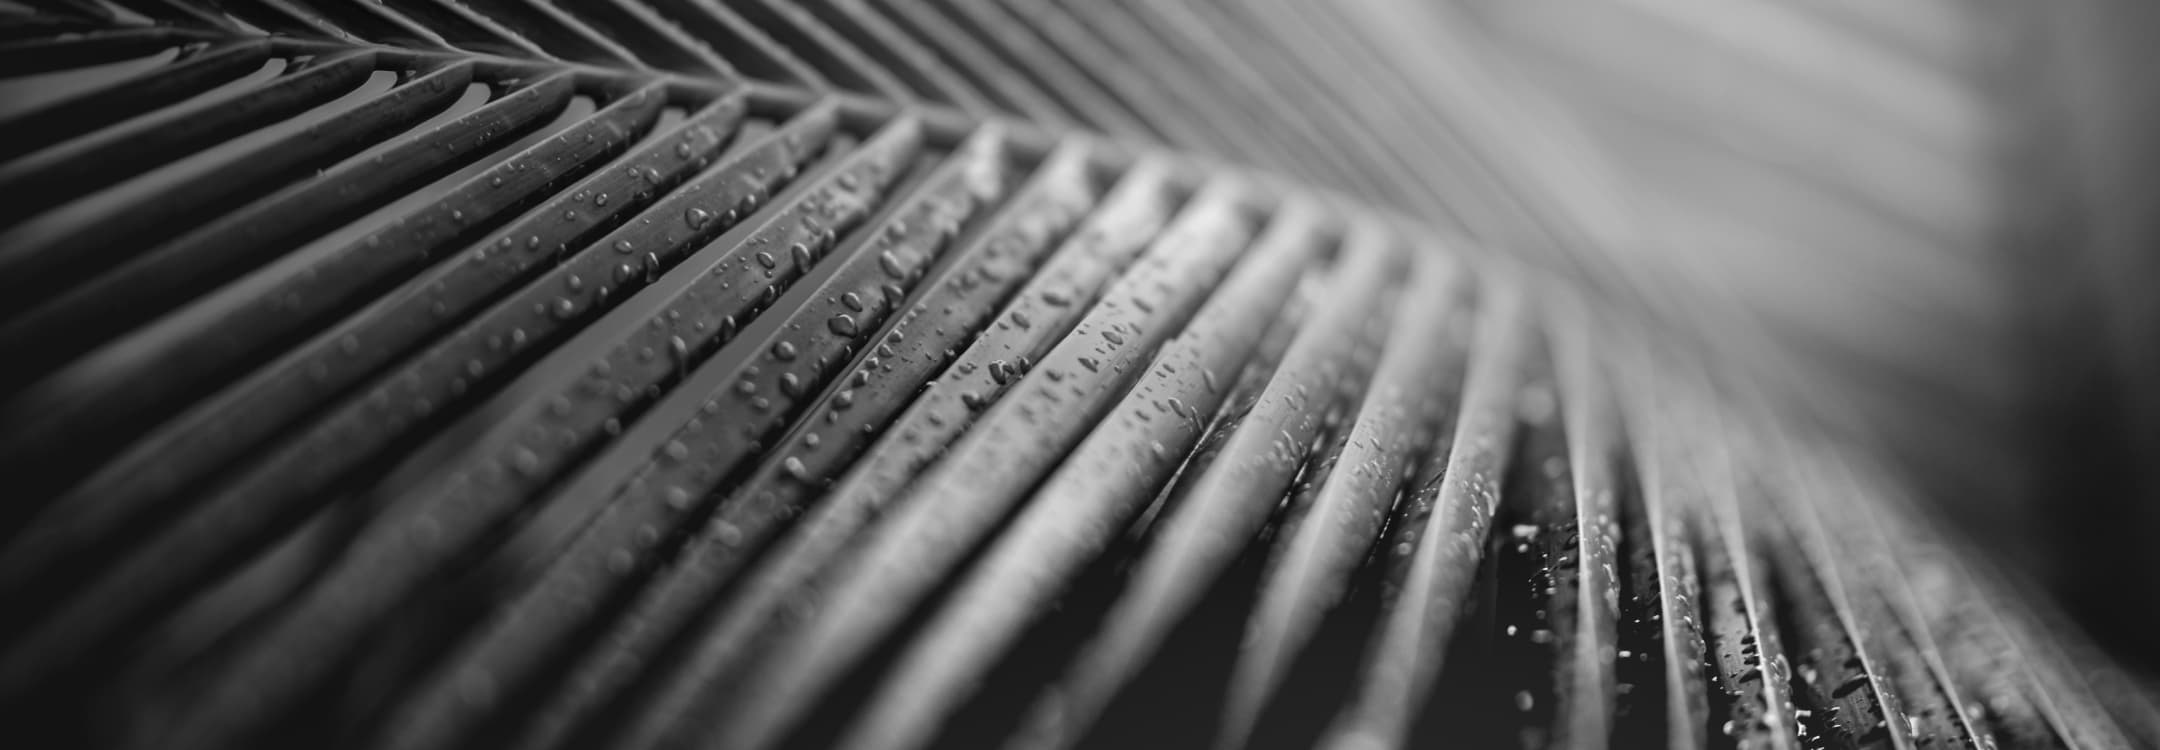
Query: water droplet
(783,351)
(842,324)
(525,461)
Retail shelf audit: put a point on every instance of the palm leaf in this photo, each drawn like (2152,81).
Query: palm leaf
(431,374)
